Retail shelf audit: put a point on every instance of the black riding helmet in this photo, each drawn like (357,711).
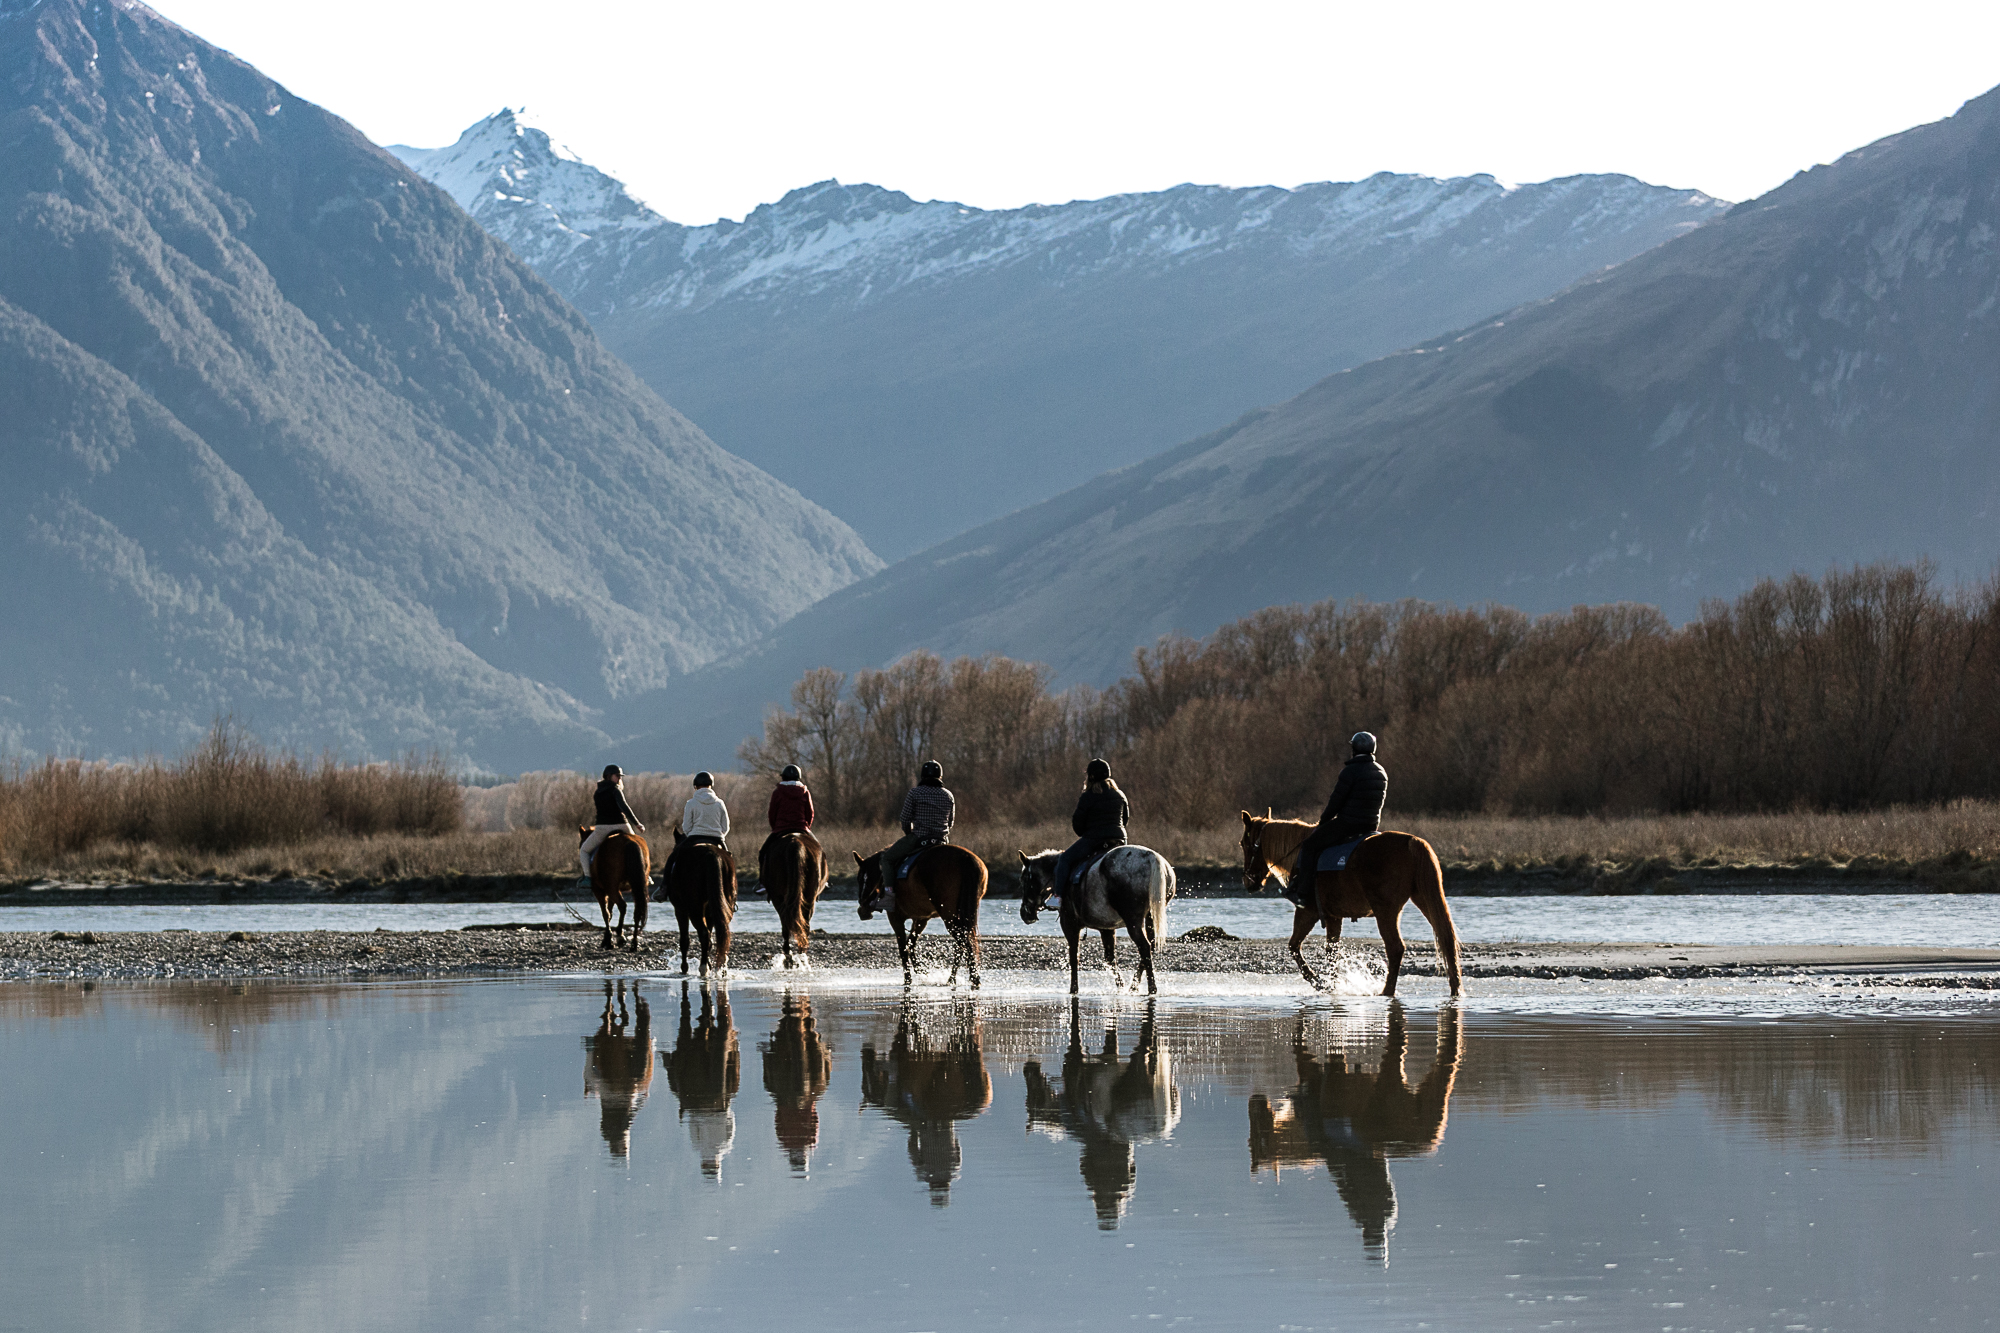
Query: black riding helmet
(702,779)
(931,774)
(791,774)
(1098,771)
(613,771)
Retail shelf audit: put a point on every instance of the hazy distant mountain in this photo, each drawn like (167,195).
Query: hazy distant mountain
(919,368)
(1814,379)
(286,434)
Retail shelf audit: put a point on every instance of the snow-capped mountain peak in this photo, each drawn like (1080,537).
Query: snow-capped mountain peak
(536,195)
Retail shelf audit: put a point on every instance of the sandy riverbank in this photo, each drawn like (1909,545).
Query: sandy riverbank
(139,954)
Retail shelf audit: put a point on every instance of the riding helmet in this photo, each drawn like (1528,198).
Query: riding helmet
(703,779)
(613,771)
(1097,772)
(791,774)
(1363,742)
(932,772)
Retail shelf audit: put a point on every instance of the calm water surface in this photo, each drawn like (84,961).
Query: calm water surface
(577,1153)
(1957,921)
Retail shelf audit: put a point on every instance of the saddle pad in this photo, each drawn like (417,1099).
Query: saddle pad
(1335,858)
(1084,867)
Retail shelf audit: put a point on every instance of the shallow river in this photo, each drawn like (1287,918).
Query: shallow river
(574,1153)
(1955,921)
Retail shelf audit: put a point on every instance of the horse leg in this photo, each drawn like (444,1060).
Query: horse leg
(604,910)
(1135,925)
(1075,933)
(680,919)
(786,924)
(900,926)
(1111,958)
(1392,943)
(721,946)
(1303,921)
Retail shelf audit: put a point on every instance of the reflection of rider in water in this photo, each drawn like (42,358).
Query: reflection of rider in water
(1099,822)
(1353,811)
(928,811)
(1354,1120)
(934,1075)
(613,816)
(618,1066)
(798,1065)
(704,1070)
(1107,1105)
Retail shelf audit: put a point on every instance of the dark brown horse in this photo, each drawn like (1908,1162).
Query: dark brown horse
(933,1076)
(945,882)
(619,873)
(704,1070)
(703,892)
(1353,1119)
(794,870)
(1384,873)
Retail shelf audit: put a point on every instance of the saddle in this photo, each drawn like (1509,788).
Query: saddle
(903,870)
(1335,858)
(1083,867)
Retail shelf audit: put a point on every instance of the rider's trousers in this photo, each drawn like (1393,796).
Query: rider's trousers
(598,834)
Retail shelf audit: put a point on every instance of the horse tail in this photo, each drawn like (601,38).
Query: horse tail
(793,864)
(1427,891)
(1160,889)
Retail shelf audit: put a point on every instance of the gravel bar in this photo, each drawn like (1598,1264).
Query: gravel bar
(485,950)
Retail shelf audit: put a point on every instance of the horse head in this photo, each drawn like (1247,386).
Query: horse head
(582,834)
(868,876)
(1256,866)
(1037,881)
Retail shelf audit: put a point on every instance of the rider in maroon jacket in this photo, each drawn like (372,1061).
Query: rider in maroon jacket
(791,812)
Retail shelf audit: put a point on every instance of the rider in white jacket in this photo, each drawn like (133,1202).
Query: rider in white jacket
(705,816)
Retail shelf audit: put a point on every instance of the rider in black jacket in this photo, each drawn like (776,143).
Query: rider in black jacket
(1099,822)
(1353,811)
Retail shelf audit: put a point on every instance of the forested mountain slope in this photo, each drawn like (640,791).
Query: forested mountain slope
(287,434)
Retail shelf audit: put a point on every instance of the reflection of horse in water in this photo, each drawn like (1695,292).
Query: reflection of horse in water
(704,1069)
(1355,1120)
(933,1075)
(618,1065)
(1107,1104)
(798,1064)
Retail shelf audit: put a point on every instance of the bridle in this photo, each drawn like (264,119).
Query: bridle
(1040,904)
(1254,847)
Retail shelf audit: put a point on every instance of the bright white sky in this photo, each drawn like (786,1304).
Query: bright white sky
(710,109)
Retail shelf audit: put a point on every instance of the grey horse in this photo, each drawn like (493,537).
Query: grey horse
(1129,889)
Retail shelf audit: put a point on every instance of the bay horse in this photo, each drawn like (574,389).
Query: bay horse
(618,1065)
(1384,873)
(946,882)
(703,892)
(620,872)
(1130,887)
(794,869)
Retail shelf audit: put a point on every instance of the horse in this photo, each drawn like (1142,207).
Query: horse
(794,870)
(1107,1103)
(704,892)
(945,882)
(798,1067)
(618,1065)
(1353,1120)
(1383,873)
(1130,887)
(621,870)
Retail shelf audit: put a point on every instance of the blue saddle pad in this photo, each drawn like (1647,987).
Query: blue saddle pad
(1335,858)
(903,871)
(1083,868)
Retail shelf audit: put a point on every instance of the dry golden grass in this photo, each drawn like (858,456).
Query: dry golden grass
(1964,834)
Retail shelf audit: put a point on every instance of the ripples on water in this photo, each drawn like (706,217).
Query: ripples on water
(554,1153)
(1955,921)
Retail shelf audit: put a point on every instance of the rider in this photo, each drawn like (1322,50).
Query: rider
(1353,811)
(928,810)
(1099,822)
(613,816)
(791,812)
(703,819)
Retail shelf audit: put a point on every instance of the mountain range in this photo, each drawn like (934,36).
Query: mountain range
(1811,380)
(288,435)
(922,367)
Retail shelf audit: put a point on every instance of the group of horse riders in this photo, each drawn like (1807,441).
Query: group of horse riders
(1353,811)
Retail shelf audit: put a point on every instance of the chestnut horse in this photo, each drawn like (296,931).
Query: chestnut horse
(703,892)
(945,882)
(794,870)
(619,873)
(1384,873)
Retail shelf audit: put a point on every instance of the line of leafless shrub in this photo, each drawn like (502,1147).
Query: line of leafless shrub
(228,795)
(1867,688)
